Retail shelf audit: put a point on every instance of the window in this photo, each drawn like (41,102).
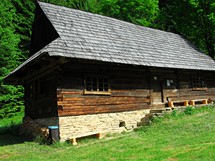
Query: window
(94,84)
(198,83)
(169,82)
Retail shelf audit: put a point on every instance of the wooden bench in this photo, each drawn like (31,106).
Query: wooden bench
(74,141)
(171,103)
(203,101)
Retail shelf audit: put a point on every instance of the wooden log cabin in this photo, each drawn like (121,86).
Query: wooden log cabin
(93,74)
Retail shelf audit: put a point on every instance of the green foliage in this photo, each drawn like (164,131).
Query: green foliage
(141,12)
(194,19)
(174,113)
(189,110)
(16,18)
(85,5)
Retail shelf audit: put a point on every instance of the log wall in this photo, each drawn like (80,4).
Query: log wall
(129,90)
(132,88)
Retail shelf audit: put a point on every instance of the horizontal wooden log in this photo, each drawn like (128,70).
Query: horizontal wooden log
(104,109)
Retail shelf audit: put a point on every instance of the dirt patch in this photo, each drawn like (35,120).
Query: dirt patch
(4,156)
(172,159)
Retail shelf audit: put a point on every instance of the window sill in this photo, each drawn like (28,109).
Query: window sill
(199,89)
(97,93)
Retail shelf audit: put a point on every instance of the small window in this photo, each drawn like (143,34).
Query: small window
(94,84)
(198,83)
(169,82)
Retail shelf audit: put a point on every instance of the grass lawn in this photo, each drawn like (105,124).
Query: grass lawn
(174,137)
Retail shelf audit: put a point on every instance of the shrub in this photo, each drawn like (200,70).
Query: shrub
(174,113)
(189,110)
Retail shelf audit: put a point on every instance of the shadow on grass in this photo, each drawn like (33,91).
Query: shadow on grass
(11,139)
(9,135)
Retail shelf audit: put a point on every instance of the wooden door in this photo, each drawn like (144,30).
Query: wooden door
(157,92)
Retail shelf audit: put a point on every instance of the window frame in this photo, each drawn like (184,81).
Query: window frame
(97,91)
(199,83)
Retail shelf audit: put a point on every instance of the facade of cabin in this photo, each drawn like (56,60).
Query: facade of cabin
(85,95)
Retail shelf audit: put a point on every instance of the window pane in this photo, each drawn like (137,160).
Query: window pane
(88,84)
(105,87)
(198,83)
(93,83)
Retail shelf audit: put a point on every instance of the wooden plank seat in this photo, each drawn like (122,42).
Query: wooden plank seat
(202,101)
(73,139)
(186,101)
(171,103)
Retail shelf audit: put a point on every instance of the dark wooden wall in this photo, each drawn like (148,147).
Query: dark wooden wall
(132,88)
(181,88)
(129,90)
(41,104)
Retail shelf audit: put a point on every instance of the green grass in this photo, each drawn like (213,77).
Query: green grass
(175,137)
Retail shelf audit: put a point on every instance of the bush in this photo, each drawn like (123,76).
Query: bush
(174,113)
(189,110)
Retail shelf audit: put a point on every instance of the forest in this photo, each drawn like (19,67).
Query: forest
(192,19)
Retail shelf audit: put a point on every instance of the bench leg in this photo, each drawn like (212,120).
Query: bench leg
(99,135)
(73,141)
(192,103)
(205,102)
(170,104)
(186,103)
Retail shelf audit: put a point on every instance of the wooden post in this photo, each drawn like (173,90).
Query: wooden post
(192,103)
(186,103)
(74,142)
(205,101)
(170,104)
(99,135)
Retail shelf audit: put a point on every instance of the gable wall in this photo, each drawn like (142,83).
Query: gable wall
(42,33)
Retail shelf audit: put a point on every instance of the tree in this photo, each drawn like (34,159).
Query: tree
(85,5)
(194,19)
(14,30)
(141,12)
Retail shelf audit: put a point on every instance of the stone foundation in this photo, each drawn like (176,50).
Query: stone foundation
(79,125)
(105,123)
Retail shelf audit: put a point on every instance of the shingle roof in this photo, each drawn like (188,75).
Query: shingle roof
(90,36)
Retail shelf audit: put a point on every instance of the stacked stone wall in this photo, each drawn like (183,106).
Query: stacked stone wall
(72,126)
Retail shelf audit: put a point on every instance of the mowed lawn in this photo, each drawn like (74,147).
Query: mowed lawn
(179,137)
